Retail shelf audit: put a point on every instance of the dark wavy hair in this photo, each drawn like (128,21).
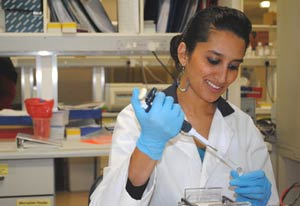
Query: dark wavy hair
(197,29)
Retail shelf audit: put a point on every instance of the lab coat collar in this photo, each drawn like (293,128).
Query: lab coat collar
(221,103)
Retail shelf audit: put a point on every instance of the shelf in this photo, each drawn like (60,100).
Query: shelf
(96,61)
(263,111)
(30,44)
(120,61)
(260,27)
(259,61)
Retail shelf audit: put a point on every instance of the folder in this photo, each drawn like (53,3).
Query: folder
(29,141)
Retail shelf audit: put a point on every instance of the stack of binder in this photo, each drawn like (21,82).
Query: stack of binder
(89,15)
(173,15)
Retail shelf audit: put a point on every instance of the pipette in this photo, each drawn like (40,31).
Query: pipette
(187,129)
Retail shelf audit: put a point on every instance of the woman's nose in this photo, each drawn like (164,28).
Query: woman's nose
(222,74)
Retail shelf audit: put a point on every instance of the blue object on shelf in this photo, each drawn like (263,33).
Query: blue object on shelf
(16,120)
(85,114)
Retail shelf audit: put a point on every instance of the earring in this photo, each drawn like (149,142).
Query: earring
(182,89)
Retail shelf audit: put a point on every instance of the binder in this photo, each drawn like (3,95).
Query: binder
(85,114)
(97,13)
(15,120)
(163,16)
(70,11)
(60,11)
(53,16)
(28,141)
(11,132)
(189,12)
(151,10)
(174,14)
(74,7)
(179,13)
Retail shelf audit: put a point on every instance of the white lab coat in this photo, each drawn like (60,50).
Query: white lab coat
(181,166)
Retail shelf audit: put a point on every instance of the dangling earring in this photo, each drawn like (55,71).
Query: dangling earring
(184,89)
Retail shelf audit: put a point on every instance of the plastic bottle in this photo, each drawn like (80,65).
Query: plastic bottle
(267,50)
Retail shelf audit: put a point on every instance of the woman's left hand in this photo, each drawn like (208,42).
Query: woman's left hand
(252,187)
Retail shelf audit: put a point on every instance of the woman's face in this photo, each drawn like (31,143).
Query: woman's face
(213,65)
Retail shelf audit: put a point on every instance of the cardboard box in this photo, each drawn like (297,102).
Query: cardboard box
(270,18)
(22,5)
(23,15)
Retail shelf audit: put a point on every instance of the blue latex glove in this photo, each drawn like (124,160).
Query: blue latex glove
(159,125)
(252,187)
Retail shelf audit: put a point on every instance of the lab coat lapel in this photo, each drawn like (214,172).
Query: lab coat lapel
(186,144)
(220,136)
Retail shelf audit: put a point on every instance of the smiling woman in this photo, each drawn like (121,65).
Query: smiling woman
(152,162)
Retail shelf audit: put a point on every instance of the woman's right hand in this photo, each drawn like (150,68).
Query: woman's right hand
(159,125)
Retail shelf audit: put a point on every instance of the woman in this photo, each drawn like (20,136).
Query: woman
(151,162)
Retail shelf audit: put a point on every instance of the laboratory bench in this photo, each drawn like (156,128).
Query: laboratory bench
(27,176)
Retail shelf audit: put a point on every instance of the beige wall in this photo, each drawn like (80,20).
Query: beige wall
(288,110)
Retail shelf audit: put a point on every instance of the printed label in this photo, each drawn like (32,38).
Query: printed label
(3,169)
(34,202)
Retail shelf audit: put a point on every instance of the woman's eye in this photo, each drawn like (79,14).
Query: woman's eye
(213,61)
(233,66)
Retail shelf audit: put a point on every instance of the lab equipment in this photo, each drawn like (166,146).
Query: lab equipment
(253,187)
(117,95)
(40,111)
(155,134)
(187,129)
(211,196)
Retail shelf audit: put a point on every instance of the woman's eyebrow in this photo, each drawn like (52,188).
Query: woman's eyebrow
(238,60)
(220,54)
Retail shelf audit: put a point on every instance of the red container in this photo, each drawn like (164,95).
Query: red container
(41,112)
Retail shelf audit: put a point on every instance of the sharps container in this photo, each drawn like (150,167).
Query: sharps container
(40,111)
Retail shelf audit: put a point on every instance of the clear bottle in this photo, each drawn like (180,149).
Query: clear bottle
(249,51)
(259,50)
(272,49)
(267,50)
